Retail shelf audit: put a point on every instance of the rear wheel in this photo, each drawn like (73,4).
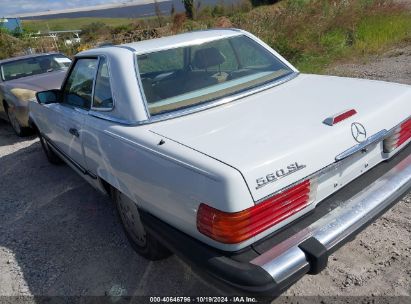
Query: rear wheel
(141,240)
(52,157)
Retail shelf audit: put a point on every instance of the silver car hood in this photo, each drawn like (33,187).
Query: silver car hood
(39,82)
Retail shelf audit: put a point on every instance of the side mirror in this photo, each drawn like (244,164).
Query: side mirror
(46,97)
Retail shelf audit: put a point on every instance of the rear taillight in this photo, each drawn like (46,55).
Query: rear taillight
(236,227)
(400,135)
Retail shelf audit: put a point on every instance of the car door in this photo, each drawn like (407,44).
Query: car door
(103,104)
(68,116)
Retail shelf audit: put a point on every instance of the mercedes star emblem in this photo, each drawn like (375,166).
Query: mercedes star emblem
(358,132)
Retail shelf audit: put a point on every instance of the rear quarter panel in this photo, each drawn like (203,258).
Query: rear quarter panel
(169,180)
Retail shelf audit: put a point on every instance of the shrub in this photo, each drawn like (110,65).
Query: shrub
(217,11)
(178,21)
(9,46)
(223,22)
(95,31)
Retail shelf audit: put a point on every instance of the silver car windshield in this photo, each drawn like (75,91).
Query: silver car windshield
(33,66)
(183,77)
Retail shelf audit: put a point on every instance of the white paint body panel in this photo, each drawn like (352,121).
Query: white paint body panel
(268,131)
(214,156)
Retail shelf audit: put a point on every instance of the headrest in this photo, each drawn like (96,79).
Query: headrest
(208,57)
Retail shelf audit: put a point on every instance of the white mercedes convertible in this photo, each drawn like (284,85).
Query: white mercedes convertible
(216,148)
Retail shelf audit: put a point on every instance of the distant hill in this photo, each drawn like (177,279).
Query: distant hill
(132,11)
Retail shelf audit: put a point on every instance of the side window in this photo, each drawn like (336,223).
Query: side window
(103,98)
(79,86)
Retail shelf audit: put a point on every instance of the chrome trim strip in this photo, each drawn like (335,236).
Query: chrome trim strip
(286,258)
(102,115)
(377,137)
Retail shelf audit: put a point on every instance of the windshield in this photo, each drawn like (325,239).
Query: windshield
(33,66)
(183,77)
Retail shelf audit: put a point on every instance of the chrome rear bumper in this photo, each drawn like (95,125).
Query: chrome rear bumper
(291,259)
(269,267)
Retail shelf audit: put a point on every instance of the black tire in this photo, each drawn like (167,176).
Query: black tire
(15,124)
(144,243)
(52,157)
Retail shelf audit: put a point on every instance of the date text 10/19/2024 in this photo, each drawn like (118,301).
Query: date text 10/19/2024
(234,299)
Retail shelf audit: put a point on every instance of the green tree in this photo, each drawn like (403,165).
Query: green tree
(189,7)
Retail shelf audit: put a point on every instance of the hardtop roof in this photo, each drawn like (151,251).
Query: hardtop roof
(151,45)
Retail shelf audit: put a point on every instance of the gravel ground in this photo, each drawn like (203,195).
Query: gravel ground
(394,65)
(60,237)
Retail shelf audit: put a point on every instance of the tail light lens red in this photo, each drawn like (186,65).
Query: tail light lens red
(400,135)
(231,228)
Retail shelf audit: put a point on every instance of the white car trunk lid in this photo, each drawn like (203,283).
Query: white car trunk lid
(281,132)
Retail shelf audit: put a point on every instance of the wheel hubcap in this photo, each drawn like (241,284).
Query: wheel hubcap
(13,121)
(131,219)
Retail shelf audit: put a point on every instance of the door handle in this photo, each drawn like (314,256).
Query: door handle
(74,132)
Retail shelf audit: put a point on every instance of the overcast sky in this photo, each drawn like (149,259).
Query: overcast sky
(12,7)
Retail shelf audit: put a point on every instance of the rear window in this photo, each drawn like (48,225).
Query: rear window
(183,77)
(33,66)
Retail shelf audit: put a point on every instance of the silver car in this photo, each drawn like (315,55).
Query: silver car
(21,78)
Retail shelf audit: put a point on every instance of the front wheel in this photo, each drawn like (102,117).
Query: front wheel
(141,240)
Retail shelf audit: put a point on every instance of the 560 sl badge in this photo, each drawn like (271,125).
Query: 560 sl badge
(275,176)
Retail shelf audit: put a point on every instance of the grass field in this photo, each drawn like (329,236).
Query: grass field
(372,35)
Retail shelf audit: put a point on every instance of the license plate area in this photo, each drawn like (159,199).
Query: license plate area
(348,169)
